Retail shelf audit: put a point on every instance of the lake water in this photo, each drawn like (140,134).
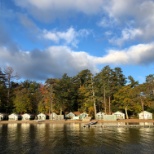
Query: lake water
(74,139)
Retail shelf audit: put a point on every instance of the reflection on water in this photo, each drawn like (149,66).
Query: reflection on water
(146,123)
(74,138)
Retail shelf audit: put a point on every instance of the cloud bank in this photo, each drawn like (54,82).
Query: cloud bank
(57,60)
(141,54)
(52,62)
(48,10)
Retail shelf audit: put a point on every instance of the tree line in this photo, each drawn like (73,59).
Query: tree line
(107,91)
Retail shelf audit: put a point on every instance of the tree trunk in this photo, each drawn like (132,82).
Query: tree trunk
(50,104)
(104,101)
(126,113)
(93,98)
(95,110)
(8,99)
(61,111)
(109,105)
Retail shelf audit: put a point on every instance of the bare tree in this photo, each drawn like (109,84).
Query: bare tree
(9,75)
(2,76)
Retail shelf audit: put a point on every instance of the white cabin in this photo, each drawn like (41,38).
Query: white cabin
(41,116)
(119,115)
(83,115)
(14,116)
(70,115)
(27,116)
(99,115)
(3,116)
(53,116)
(145,115)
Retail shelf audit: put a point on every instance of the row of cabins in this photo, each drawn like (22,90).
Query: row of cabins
(114,116)
(41,116)
(120,115)
(27,116)
(73,116)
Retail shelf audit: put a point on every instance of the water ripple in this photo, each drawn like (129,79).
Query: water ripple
(74,139)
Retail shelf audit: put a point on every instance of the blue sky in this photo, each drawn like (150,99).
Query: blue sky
(47,38)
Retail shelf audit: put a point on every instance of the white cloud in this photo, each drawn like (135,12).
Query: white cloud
(140,54)
(138,14)
(57,60)
(49,9)
(51,36)
(118,8)
(52,62)
(70,36)
(127,35)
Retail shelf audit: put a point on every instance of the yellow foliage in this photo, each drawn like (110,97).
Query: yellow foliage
(91,110)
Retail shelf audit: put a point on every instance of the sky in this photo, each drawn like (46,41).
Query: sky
(43,39)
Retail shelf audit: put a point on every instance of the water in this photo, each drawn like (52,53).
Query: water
(74,139)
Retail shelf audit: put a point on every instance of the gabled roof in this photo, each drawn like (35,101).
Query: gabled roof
(118,112)
(13,114)
(77,113)
(70,114)
(145,112)
(53,113)
(41,114)
(25,114)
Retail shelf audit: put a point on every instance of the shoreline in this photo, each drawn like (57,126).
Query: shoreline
(75,121)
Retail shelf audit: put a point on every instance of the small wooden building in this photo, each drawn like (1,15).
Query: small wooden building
(145,115)
(77,114)
(83,115)
(53,116)
(41,116)
(70,115)
(99,115)
(119,115)
(14,116)
(3,116)
(60,117)
(27,116)
(109,117)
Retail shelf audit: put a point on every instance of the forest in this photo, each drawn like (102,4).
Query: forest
(107,91)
